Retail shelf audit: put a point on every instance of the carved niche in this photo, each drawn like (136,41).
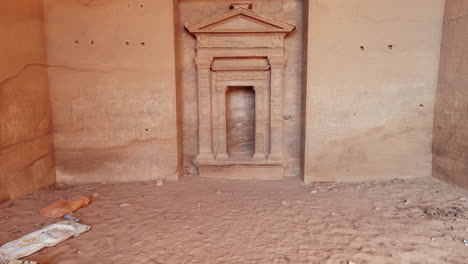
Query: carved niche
(240,48)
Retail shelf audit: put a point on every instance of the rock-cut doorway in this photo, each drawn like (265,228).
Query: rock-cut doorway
(240,118)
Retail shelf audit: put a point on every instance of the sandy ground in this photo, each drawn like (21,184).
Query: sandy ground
(220,221)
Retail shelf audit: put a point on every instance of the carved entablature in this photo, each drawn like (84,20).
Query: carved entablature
(241,48)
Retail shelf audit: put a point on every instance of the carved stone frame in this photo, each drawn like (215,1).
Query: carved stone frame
(260,39)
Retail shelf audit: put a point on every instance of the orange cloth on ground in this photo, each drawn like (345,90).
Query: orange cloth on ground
(64,206)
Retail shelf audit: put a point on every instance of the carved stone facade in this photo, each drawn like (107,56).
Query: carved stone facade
(241,48)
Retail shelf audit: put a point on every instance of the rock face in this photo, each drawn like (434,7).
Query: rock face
(372,71)
(112,79)
(359,90)
(26,144)
(451,113)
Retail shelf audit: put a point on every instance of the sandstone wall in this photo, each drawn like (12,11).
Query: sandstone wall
(26,140)
(285,10)
(369,105)
(112,79)
(451,113)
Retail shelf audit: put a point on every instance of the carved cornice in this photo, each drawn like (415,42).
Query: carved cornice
(277,40)
(203,62)
(203,40)
(277,62)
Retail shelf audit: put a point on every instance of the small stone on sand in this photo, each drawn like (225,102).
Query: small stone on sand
(462,199)
(95,195)
(218,192)
(314,191)
(159,182)
(125,205)
(284,202)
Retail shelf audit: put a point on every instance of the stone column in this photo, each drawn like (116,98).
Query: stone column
(222,131)
(277,108)
(259,123)
(204,109)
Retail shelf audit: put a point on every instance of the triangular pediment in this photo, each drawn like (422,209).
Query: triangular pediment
(240,22)
(237,21)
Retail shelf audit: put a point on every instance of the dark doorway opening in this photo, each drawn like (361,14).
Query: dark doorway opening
(240,118)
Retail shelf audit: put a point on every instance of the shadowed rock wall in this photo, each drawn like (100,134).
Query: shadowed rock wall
(112,79)
(451,113)
(26,143)
(372,69)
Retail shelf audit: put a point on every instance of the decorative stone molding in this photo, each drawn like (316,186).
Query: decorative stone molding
(241,75)
(277,40)
(239,5)
(235,49)
(203,62)
(223,23)
(221,88)
(277,62)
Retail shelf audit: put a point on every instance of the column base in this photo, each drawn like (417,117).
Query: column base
(276,156)
(259,156)
(222,156)
(203,157)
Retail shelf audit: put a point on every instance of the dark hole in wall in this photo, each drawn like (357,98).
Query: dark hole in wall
(240,118)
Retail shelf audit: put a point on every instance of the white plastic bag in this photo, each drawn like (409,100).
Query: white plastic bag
(48,236)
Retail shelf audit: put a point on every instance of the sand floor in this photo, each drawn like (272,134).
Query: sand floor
(200,220)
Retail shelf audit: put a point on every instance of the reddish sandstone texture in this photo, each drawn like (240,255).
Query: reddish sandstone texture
(112,80)
(450,129)
(26,140)
(371,69)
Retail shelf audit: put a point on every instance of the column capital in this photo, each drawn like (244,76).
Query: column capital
(221,88)
(259,88)
(203,62)
(277,62)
